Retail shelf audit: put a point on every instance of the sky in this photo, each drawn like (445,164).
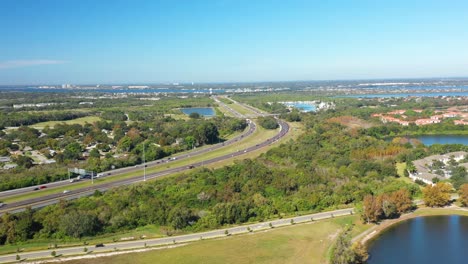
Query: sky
(97,42)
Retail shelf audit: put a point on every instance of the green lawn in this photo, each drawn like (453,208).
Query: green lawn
(81,121)
(304,243)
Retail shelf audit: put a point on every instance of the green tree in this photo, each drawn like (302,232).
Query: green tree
(94,153)
(23,161)
(72,151)
(76,224)
(195,115)
(345,253)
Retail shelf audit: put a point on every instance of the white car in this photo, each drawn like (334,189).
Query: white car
(66,191)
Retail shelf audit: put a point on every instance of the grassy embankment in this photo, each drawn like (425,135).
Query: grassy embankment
(304,243)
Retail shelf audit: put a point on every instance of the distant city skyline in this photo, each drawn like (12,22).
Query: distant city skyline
(132,42)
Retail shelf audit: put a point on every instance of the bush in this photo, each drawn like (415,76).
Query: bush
(268,122)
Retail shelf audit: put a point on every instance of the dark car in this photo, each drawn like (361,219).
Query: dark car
(35,189)
(191,166)
(100,245)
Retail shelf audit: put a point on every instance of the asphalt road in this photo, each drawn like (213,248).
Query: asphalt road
(140,243)
(58,184)
(73,194)
(197,152)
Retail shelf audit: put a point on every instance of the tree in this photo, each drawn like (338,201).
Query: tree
(94,153)
(345,253)
(268,122)
(388,206)
(206,132)
(72,151)
(23,161)
(437,195)
(190,141)
(459,176)
(77,224)
(125,143)
(372,209)
(195,115)
(464,194)
(402,201)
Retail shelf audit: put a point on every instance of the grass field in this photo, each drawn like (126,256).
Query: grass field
(81,121)
(305,243)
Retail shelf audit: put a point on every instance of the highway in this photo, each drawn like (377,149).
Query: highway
(141,243)
(190,154)
(73,194)
(251,129)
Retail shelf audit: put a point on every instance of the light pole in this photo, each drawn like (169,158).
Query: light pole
(144,163)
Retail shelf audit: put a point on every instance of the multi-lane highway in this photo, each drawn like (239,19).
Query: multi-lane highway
(73,194)
(141,243)
(251,129)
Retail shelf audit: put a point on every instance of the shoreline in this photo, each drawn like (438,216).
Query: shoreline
(372,233)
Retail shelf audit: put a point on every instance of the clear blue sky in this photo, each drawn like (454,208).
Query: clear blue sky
(97,41)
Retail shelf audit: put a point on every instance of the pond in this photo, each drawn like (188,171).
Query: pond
(443,139)
(428,240)
(204,111)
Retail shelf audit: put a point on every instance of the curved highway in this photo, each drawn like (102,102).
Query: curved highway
(250,131)
(73,194)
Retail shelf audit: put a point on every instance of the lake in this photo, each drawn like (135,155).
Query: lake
(428,240)
(443,139)
(204,111)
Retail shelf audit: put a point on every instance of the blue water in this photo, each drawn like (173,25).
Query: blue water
(384,95)
(428,240)
(204,111)
(443,139)
(303,107)
(149,90)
